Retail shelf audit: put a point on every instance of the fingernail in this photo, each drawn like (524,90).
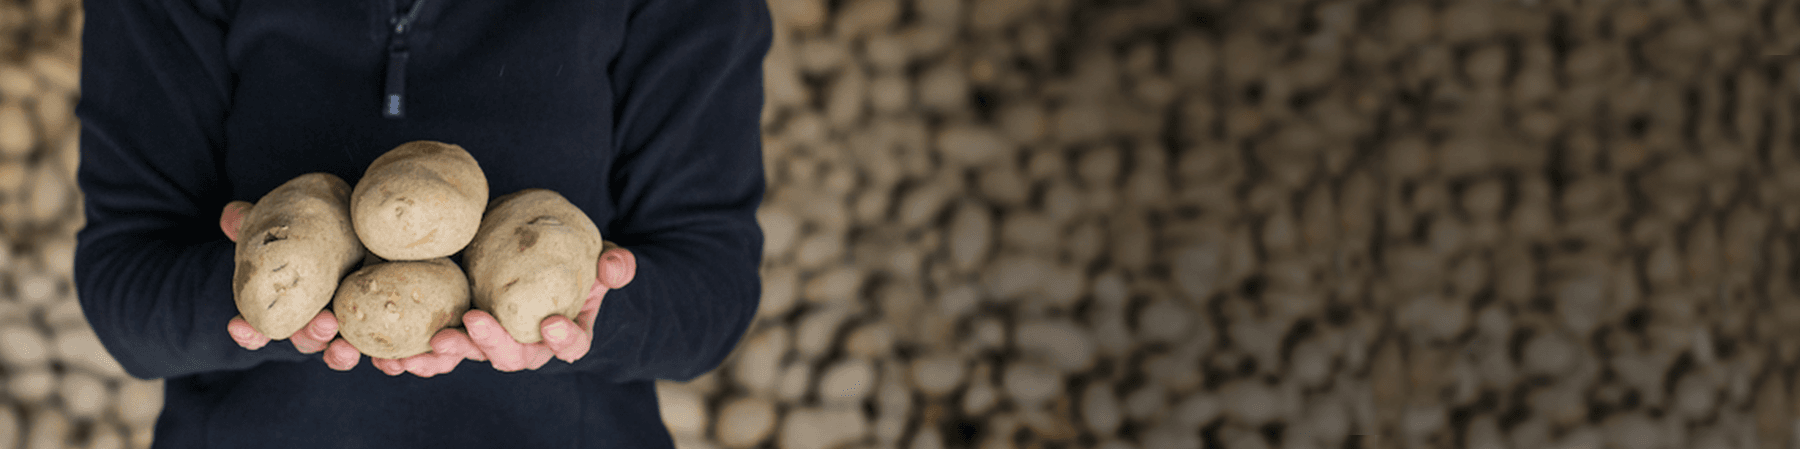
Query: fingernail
(557,332)
(615,270)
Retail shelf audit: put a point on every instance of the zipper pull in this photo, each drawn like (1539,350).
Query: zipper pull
(394,95)
(393,98)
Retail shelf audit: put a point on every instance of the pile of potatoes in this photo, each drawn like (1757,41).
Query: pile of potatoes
(379,254)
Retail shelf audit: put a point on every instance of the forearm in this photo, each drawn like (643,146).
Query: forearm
(691,300)
(686,183)
(160,305)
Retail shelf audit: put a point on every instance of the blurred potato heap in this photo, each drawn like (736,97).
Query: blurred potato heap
(1174,224)
(58,386)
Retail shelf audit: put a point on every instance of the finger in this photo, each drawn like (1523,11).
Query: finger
(435,365)
(430,364)
(443,356)
(564,339)
(587,315)
(233,217)
(618,266)
(537,355)
(390,366)
(594,297)
(505,353)
(245,335)
(445,363)
(341,356)
(307,345)
(324,326)
(317,333)
(528,357)
(591,309)
(456,342)
(501,350)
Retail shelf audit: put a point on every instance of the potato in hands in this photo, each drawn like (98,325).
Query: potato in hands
(530,255)
(293,246)
(391,310)
(421,200)
(535,256)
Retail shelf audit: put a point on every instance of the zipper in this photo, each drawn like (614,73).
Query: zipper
(393,96)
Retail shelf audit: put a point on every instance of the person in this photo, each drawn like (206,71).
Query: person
(645,114)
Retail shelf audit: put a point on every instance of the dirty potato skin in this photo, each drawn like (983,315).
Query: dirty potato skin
(419,201)
(535,256)
(294,245)
(391,310)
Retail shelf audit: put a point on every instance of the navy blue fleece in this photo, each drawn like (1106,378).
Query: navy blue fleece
(643,113)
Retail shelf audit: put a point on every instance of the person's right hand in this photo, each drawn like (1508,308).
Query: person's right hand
(319,335)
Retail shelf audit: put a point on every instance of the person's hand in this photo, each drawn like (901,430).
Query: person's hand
(320,334)
(448,348)
(564,339)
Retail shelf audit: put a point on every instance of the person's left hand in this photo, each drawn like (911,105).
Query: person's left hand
(563,339)
(485,340)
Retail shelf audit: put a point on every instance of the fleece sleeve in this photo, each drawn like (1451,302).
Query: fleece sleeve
(687,182)
(152,269)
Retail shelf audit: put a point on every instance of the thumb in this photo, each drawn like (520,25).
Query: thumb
(617,267)
(233,217)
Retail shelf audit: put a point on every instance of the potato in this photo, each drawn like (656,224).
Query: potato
(535,256)
(391,310)
(421,200)
(293,246)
